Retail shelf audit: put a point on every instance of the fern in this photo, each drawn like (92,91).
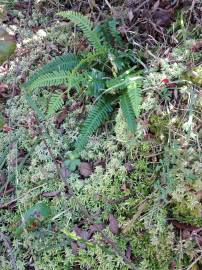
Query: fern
(86,26)
(58,64)
(55,104)
(134,94)
(56,78)
(95,118)
(96,82)
(128,112)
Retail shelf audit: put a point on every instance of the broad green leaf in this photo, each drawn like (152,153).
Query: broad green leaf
(7,45)
(2,121)
(33,218)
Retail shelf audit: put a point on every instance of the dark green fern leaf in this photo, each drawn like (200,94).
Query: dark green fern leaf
(60,63)
(86,26)
(55,104)
(96,82)
(57,78)
(128,112)
(95,118)
(134,94)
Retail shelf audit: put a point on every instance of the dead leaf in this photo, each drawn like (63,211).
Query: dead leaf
(162,17)
(183,226)
(60,119)
(129,167)
(113,224)
(85,169)
(196,46)
(156,5)
(95,228)
(64,172)
(75,247)
(128,251)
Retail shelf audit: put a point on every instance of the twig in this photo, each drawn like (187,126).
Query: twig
(194,262)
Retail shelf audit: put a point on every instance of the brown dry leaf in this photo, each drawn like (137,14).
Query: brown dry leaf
(196,46)
(74,247)
(113,224)
(95,228)
(85,169)
(61,117)
(64,172)
(128,251)
(162,17)
(183,226)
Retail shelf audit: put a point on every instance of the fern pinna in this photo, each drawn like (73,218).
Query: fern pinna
(105,72)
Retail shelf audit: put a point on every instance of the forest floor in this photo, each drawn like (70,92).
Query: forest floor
(129,200)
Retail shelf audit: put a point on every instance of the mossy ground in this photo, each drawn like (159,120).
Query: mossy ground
(149,181)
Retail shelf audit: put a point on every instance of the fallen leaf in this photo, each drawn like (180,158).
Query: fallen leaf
(75,247)
(196,46)
(128,251)
(183,226)
(64,172)
(162,17)
(95,228)
(85,169)
(113,224)
(129,167)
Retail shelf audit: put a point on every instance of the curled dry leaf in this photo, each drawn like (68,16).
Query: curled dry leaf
(85,169)
(113,224)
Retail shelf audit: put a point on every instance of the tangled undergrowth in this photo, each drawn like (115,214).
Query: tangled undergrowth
(130,200)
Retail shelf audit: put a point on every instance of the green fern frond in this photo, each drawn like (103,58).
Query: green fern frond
(60,63)
(86,26)
(55,104)
(95,118)
(96,82)
(128,112)
(134,93)
(57,78)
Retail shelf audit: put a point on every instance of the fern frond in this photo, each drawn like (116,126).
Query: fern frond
(55,104)
(134,93)
(85,25)
(60,63)
(96,82)
(128,112)
(57,78)
(95,118)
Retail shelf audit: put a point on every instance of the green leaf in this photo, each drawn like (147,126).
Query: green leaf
(135,96)
(7,45)
(72,164)
(85,25)
(55,104)
(2,121)
(128,112)
(33,218)
(95,118)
